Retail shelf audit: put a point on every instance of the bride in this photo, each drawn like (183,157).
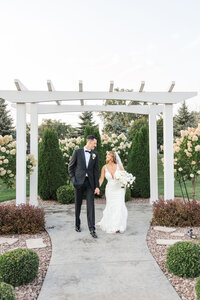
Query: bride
(115,213)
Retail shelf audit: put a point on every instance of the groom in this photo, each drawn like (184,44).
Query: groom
(83,170)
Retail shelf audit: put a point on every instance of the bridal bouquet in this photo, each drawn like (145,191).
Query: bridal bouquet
(125,178)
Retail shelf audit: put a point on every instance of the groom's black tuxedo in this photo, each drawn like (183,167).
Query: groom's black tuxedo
(84,179)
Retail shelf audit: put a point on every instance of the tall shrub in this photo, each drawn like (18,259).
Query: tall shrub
(52,172)
(138,163)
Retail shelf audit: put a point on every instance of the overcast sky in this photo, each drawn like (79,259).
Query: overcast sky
(96,41)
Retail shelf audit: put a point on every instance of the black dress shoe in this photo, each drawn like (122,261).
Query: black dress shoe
(78,229)
(93,234)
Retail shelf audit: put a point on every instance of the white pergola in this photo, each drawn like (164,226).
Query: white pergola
(31,102)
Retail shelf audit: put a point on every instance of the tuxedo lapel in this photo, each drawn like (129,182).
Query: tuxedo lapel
(83,156)
(90,158)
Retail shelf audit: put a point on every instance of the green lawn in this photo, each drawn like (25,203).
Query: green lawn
(177,190)
(9,194)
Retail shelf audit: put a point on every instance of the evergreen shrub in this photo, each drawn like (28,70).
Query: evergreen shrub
(183,259)
(19,266)
(138,163)
(52,172)
(65,194)
(175,213)
(128,194)
(21,219)
(6,291)
(197,288)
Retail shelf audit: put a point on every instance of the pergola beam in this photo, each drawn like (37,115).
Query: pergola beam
(140,90)
(139,109)
(111,88)
(171,87)
(81,90)
(51,89)
(46,96)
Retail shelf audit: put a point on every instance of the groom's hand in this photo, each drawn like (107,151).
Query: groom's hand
(97,191)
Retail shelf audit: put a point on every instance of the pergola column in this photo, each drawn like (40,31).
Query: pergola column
(153,156)
(168,152)
(21,153)
(34,151)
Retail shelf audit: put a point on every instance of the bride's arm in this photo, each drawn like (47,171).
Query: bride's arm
(101,179)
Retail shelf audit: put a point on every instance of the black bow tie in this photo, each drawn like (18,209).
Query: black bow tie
(88,151)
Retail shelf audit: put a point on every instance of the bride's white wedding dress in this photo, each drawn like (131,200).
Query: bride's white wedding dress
(115,213)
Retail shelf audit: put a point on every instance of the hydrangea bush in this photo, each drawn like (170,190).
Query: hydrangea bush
(8,160)
(68,146)
(109,143)
(187,155)
(118,144)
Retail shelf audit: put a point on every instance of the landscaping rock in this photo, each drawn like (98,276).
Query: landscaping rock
(8,241)
(35,243)
(164,228)
(166,242)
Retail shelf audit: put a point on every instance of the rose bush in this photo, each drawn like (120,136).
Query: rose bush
(8,160)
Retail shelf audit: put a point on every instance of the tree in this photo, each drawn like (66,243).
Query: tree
(118,120)
(159,132)
(52,172)
(86,119)
(137,124)
(138,163)
(63,130)
(6,122)
(183,119)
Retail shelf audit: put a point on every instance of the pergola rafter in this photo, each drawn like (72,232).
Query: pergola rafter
(26,101)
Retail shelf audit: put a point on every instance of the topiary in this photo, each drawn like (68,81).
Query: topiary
(197,288)
(52,172)
(65,194)
(128,194)
(6,291)
(19,266)
(183,259)
(138,163)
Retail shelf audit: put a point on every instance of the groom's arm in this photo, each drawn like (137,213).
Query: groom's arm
(72,165)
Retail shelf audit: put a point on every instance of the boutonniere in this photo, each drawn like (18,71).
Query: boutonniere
(93,155)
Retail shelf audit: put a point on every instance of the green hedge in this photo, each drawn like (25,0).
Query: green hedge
(128,194)
(52,172)
(65,194)
(6,291)
(19,266)
(183,259)
(138,163)
(197,288)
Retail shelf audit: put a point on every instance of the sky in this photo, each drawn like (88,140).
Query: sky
(127,41)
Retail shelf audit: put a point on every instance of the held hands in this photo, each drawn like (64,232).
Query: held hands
(97,191)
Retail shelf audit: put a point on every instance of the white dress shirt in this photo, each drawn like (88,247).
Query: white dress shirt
(87,158)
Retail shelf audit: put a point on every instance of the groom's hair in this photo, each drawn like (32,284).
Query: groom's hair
(91,137)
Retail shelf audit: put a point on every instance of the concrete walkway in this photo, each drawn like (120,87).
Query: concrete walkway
(112,267)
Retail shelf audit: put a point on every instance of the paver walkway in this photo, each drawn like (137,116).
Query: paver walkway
(112,267)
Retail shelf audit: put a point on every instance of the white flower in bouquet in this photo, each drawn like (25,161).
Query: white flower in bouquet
(124,178)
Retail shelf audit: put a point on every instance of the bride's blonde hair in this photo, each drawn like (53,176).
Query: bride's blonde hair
(113,155)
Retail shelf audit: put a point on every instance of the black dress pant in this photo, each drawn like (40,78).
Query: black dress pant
(79,193)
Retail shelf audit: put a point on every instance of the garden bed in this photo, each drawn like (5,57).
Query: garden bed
(31,291)
(185,287)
